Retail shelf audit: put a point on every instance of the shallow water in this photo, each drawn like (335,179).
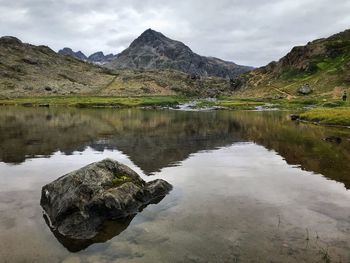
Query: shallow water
(248,186)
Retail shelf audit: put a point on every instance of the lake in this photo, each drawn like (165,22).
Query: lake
(248,186)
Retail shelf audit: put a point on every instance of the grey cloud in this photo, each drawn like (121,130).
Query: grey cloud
(251,32)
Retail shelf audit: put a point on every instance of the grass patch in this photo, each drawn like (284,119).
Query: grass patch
(331,116)
(332,64)
(94,101)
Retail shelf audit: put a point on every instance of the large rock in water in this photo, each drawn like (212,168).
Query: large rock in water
(78,203)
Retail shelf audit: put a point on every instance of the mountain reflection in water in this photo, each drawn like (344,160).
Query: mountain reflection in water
(155,139)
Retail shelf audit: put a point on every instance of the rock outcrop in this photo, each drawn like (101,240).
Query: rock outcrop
(79,203)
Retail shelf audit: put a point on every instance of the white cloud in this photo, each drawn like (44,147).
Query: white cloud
(251,32)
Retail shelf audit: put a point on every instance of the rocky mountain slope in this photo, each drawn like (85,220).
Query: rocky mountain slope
(100,58)
(153,50)
(28,70)
(37,70)
(322,67)
(97,57)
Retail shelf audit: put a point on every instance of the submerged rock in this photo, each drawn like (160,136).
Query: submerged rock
(78,203)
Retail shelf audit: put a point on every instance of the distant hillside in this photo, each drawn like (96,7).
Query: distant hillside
(97,57)
(323,65)
(153,50)
(28,70)
(37,70)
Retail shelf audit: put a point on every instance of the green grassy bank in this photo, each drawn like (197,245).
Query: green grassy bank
(329,116)
(94,101)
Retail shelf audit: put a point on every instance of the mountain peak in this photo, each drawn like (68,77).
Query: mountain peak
(151,32)
(149,37)
(69,52)
(67,49)
(153,50)
(97,57)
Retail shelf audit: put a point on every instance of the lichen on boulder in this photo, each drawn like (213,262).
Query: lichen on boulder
(78,203)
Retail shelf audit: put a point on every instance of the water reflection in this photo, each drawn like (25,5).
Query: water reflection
(157,139)
(239,200)
(108,230)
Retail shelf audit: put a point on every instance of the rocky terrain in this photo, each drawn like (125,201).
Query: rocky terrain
(100,58)
(28,70)
(97,57)
(152,50)
(321,67)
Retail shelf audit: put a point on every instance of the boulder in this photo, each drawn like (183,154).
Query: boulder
(305,89)
(78,203)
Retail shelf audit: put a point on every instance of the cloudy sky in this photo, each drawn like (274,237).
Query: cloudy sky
(249,32)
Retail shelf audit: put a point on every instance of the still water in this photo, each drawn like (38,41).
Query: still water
(248,186)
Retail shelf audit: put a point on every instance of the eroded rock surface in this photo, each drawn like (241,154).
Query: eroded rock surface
(78,203)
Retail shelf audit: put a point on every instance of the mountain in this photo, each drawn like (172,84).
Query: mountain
(322,65)
(28,70)
(153,50)
(69,52)
(97,57)
(100,58)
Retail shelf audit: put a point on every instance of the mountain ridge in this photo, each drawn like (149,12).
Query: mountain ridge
(153,50)
(97,58)
(27,70)
(323,64)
